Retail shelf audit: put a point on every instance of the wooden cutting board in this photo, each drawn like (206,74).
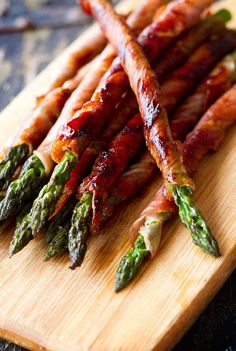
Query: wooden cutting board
(45,306)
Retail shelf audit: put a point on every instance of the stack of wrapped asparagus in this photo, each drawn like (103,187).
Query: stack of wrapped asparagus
(153,90)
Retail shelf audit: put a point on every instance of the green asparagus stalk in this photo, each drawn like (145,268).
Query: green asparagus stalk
(24,188)
(25,230)
(60,220)
(190,216)
(16,156)
(23,233)
(134,258)
(130,263)
(58,230)
(45,203)
(193,220)
(79,231)
(59,243)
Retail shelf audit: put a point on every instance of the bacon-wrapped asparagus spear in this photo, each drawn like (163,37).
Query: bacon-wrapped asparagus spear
(205,137)
(95,188)
(186,116)
(58,223)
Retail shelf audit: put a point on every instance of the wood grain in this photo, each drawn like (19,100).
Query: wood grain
(45,306)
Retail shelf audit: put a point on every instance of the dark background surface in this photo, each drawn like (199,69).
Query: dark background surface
(23,54)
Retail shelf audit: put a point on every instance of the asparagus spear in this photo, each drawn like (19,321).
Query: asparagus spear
(60,220)
(58,230)
(190,216)
(44,204)
(21,190)
(28,224)
(17,154)
(79,231)
(22,235)
(130,263)
(193,220)
(59,243)
(211,129)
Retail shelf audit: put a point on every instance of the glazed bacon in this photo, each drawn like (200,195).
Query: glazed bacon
(205,137)
(88,122)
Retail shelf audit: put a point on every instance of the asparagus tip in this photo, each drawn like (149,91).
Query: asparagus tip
(194,221)
(131,263)
(80,230)
(224,14)
(77,256)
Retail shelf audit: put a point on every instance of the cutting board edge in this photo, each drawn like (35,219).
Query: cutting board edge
(17,334)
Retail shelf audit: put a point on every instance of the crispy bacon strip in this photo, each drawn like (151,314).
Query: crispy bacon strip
(78,133)
(205,137)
